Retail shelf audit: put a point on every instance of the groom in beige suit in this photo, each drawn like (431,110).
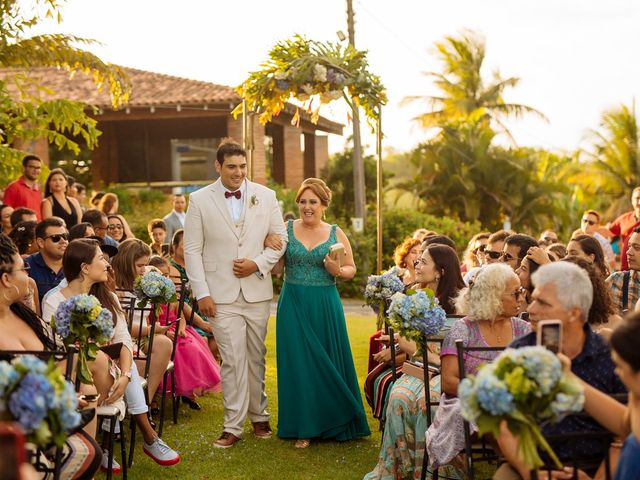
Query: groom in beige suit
(230,274)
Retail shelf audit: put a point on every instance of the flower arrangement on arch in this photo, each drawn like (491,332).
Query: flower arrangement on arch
(36,395)
(380,289)
(415,315)
(82,322)
(314,73)
(155,289)
(527,387)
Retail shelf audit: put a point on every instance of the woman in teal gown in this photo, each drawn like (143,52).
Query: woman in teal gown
(318,392)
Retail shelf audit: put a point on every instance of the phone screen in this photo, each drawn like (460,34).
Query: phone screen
(550,335)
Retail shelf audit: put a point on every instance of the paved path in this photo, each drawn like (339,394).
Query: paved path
(351,307)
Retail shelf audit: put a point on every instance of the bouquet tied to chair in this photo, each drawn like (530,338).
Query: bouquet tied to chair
(380,289)
(527,388)
(36,395)
(155,289)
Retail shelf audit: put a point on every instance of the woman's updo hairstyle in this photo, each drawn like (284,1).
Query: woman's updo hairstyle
(318,187)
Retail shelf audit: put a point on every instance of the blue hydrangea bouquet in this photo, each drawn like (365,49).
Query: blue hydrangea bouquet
(82,322)
(36,395)
(415,315)
(527,388)
(380,289)
(155,289)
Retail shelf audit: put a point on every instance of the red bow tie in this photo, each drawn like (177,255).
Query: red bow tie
(236,194)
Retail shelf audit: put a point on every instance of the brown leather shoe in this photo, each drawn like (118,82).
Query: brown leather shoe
(226,440)
(262,430)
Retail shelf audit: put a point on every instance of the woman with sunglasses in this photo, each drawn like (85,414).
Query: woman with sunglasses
(86,271)
(474,254)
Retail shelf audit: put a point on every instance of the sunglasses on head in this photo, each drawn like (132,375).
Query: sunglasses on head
(590,222)
(493,254)
(57,237)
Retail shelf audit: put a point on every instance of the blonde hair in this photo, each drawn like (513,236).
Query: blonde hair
(318,187)
(482,299)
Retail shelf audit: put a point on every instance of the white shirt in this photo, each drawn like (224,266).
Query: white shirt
(181,217)
(236,205)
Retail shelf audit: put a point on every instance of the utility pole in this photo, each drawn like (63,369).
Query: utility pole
(358,162)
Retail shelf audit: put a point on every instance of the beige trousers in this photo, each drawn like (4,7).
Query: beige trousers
(240,329)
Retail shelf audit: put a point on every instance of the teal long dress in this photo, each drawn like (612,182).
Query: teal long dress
(318,393)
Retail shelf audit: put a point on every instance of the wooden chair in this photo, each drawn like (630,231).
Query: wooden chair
(476,451)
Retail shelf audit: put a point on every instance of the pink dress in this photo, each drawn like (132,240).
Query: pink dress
(196,370)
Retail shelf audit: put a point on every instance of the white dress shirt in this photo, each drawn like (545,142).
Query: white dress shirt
(236,205)
(181,217)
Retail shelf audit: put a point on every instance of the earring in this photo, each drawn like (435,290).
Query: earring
(4,294)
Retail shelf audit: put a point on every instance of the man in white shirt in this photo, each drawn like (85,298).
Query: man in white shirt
(175,219)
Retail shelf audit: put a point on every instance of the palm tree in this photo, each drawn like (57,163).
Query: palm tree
(614,158)
(464,92)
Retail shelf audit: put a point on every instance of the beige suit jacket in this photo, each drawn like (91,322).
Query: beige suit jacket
(212,241)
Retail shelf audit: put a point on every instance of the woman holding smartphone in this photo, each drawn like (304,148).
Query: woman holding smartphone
(318,393)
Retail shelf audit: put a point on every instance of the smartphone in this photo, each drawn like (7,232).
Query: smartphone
(12,451)
(550,335)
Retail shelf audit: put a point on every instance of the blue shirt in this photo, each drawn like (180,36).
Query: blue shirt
(629,464)
(43,275)
(595,366)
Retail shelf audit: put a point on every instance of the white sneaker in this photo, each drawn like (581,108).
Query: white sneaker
(104,466)
(161,453)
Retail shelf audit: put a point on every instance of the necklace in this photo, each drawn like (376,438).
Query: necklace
(498,335)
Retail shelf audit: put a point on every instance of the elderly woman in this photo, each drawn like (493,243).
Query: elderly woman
(491,303)
(403,443)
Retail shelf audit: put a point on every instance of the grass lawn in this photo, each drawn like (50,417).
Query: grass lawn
(264,459)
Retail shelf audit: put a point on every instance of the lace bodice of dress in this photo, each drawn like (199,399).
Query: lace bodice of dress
(305,267)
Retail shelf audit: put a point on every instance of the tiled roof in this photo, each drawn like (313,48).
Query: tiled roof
(148,88)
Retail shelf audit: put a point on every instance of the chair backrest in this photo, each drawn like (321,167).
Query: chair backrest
(482,452)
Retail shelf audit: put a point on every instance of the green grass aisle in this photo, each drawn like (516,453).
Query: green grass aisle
(264,459)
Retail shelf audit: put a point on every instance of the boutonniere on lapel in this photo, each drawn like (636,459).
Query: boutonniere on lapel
(253,201)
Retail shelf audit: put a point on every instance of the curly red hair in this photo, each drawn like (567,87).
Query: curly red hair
(402,250)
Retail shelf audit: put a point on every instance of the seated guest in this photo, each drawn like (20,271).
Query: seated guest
(118,228)
(556,251)
(22,214)
(81,230)
(515,248)
(473,256)
(405,418)
(5,218)
(197,371)
(440,239)
(45,267)
(616,417)
(86,273)
(602,314)
(100,224)
(491,304)
(178,273)
(24,330)
(590,355)
(24,237)
(133,255)
(625,285)
(547,238)
(157,231)
(404,256)
(587,247)
(492,252)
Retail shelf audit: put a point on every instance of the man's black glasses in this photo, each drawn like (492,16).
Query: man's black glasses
(493,254)
(590,222)
(57,237)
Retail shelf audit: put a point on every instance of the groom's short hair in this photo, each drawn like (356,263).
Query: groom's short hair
(229,148)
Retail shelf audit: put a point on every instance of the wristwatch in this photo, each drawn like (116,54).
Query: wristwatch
(127,374)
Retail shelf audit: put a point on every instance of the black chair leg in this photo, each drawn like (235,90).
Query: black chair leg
(162,402)
(132,442)
(175,397)
(123,449)
(112,434)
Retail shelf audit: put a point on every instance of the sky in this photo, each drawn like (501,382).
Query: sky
(575,58)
